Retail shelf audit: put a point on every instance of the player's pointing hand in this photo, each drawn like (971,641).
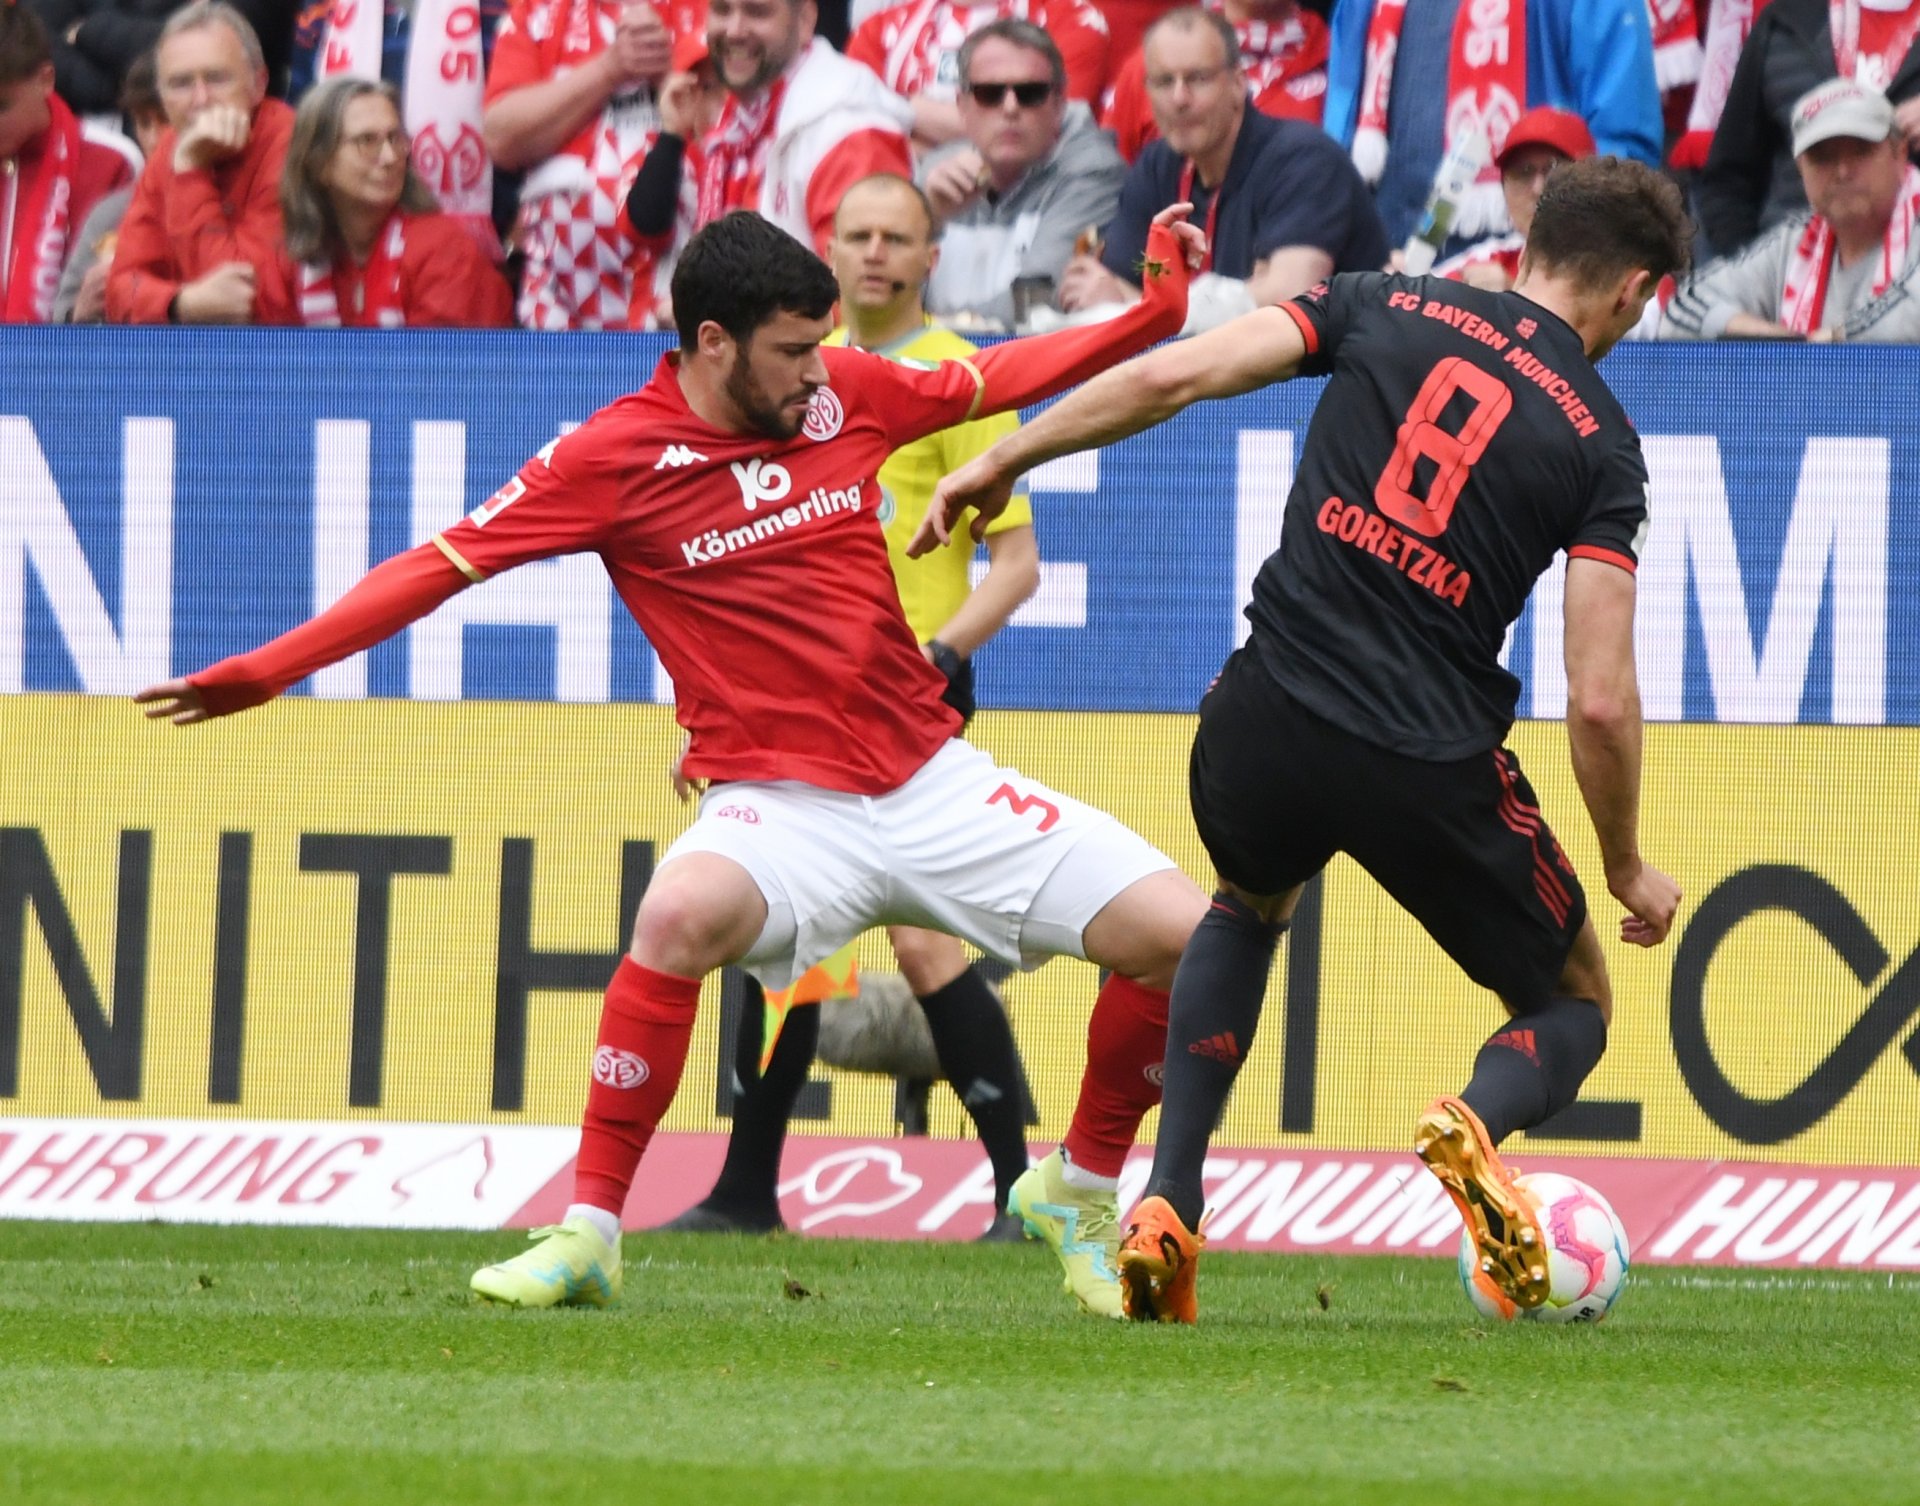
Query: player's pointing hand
(979,484)
(1174,248)
(176,701)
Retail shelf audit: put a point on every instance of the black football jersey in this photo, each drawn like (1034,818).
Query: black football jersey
(1463,441)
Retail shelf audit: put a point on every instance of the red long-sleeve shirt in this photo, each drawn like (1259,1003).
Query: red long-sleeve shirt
(181,226)
(755,566)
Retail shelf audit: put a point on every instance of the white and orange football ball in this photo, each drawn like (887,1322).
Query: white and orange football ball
(1586,1255)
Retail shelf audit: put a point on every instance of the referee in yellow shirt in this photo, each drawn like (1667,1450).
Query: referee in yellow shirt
(883,252)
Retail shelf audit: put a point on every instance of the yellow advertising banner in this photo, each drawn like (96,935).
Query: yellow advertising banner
(407,910)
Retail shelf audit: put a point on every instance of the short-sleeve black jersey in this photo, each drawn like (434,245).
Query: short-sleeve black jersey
(1463,441)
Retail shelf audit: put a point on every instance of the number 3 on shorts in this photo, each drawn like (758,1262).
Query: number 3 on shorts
(1422,438)
(1020,804)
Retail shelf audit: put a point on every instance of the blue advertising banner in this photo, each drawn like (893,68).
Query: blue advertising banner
(168,497)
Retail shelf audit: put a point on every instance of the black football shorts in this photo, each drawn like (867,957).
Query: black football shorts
(1461,845)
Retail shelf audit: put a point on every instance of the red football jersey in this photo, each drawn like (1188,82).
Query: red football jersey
(756,568)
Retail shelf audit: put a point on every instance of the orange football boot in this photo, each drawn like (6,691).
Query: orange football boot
(1159,1263)
(1503,1220)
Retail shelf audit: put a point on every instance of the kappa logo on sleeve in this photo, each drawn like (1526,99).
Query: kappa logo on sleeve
(675,456)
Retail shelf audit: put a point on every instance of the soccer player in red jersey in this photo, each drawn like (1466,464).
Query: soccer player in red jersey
(734,502)
(1464,440)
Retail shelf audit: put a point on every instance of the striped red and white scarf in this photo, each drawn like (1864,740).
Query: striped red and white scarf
(733,157)
(1486,93)
(1872,66)
(376,292)
(1803,299)
(41,227)
(1728,22)
(1676,43)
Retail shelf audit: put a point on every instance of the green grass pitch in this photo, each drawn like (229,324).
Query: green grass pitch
(180,1365)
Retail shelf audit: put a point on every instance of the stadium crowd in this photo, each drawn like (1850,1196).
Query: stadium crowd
(540,162)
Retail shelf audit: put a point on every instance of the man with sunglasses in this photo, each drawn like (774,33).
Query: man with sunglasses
(1033,173)
(1283,205)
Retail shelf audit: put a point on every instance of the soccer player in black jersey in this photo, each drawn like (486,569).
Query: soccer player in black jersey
(1463,441)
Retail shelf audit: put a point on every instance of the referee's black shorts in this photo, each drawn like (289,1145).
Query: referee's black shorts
(1461,845)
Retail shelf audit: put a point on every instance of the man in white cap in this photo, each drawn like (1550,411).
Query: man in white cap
(1845,270)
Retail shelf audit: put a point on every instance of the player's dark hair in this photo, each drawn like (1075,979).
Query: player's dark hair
(1603,217)
(741,271)
(1021,33)
(1187,17)
(24,49)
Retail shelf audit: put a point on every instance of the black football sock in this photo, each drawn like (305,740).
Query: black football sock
(974,1042)
(1217,994)
(1532,1066)
(762,1104)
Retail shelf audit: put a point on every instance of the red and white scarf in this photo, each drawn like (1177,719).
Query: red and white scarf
(1276,55)
(41,219)
(1676,43)
(1803,299)
(446,81)
(376,290)
(1873,67)
(1486,92)
(1728,22)
(733,157)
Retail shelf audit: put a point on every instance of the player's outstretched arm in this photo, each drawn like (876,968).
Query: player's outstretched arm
(1030,370)
(399,591)
(1252,351)
(1603,731)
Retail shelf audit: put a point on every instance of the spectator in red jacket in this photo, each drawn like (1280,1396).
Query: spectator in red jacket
(1283,48)
(915,48)
(51,175)
(367,246)
(203,231)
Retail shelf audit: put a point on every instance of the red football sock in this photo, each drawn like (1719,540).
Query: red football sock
(1126,1043)
(645,1028)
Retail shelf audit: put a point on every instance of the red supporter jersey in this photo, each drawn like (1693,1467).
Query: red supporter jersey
(756,567)
(539,40)
(915,46)
(1286,76)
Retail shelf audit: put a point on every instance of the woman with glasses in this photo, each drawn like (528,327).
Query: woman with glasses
(366,245)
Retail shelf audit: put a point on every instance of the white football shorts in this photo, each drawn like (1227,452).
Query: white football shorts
(964,846)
